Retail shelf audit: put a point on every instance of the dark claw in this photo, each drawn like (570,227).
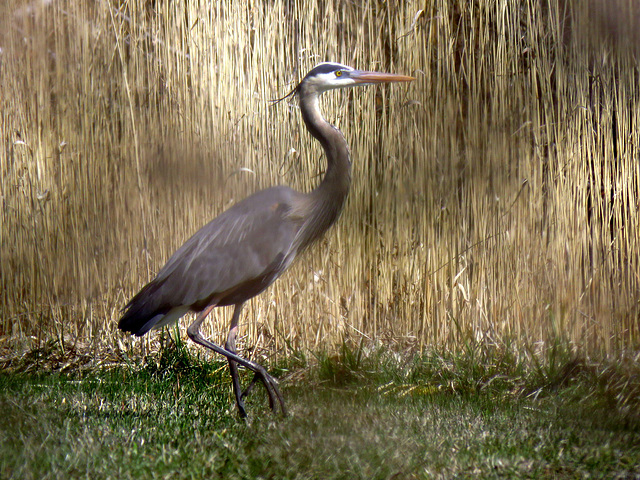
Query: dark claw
(247,390)
(241,411)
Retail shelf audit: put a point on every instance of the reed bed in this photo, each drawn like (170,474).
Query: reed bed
(495,199)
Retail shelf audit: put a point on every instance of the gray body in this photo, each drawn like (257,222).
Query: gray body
(233,258)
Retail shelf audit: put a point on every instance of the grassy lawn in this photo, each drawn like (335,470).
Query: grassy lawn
(351,416)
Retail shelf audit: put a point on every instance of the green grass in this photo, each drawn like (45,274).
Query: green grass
(363,413)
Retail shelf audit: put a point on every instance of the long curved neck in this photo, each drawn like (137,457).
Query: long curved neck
(337,178)
(328,198)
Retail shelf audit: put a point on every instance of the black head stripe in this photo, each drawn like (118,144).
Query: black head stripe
(327,68)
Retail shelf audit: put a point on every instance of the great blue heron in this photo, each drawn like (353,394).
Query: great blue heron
(246,248)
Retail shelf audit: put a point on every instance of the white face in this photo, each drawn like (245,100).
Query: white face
(327,76)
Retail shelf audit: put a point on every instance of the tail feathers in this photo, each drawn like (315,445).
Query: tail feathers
(139,326)
(146,311)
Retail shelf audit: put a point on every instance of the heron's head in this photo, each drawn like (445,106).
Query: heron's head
(329,75)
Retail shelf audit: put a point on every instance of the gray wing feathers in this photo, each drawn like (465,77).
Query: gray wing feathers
(235,247)
(232,258)
(245,248)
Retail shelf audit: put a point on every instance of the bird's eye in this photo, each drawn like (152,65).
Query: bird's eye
(339,73)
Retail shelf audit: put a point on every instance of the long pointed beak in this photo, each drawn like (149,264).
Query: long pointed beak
(360,76)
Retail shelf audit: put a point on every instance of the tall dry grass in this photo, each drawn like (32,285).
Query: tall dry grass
(495,198)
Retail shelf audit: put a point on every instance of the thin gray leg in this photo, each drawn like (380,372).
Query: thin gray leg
(230,346)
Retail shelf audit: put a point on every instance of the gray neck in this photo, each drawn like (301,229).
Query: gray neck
(329,197)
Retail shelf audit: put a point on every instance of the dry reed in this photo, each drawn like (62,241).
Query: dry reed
(495,198)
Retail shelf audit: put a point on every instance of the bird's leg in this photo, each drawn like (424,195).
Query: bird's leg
(230,346)
(270,384)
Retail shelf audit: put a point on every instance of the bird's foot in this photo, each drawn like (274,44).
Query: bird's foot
(247,390)
(241,410)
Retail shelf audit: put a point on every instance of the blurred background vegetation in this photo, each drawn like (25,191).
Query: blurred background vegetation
(495,199)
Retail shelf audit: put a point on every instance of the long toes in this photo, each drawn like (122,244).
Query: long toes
(280,400)
(275,395)
(272,403)
(247,390)
(270,386)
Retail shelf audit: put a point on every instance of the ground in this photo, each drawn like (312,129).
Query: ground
(351,416)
